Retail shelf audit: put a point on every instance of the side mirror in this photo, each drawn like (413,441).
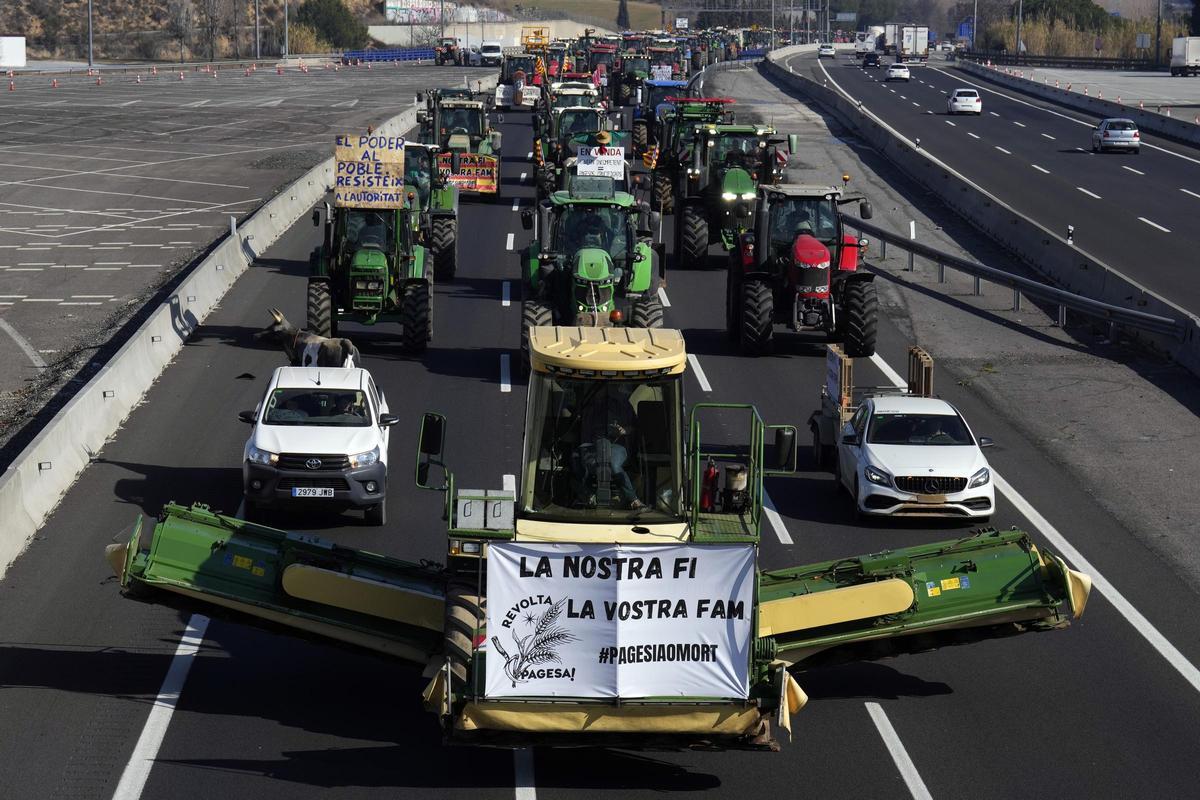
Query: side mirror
(864,210)
(247,417)
(497,141)
(527,219)
(316,218)
(433,428)
(850,439)
(388,420)
(793,143)
(986,441)
(785,449)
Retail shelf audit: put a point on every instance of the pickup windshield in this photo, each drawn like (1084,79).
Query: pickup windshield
(341,408)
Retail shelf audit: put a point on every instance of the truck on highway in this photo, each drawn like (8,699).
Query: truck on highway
(1185,56)
(864,41)
(612,595)
(891,37)
(914,43)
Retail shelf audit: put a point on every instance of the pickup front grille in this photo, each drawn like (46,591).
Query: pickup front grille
(919,484)
(300,461)
(338,484)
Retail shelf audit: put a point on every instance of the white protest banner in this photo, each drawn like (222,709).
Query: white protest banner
(628,621)
(369,171)
(661,72)
(609,161)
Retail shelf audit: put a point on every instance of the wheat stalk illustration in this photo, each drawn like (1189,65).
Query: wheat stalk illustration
(539,647)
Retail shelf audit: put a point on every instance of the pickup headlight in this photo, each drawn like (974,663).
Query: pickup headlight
(257,456)
(877,476)
(365,459)
(980,478)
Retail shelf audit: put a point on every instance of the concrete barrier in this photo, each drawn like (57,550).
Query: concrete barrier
(1183,128)
(34,483)
(1048,252)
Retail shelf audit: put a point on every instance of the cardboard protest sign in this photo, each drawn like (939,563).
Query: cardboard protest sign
(369,171)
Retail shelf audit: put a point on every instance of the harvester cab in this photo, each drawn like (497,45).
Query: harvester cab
(436,199)
(591,262)
(799,267)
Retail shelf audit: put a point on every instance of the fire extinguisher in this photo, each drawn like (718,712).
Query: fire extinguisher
(708,486)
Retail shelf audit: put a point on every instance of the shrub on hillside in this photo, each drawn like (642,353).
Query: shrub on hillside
(305,39)
(333,22)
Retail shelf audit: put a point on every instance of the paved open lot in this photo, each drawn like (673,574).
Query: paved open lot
(108,190)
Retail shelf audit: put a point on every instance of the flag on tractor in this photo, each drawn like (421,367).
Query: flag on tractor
(540,68)
(650,157)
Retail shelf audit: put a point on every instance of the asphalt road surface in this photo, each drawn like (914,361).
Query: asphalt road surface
(109,189)
(1092,711)
(1135,213)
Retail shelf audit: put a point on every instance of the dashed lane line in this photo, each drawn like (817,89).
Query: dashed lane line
(505,372)
(908,770)
(773,517)
(508,245)
(516,204)
(952,124)
(1153,224)
(1189,191)
(1134,171)
(1089,194)
(972,135)
(662,297)
(506,294)
(1002,150)
(1048,136)
(523,777)
(1019,124)
(1040,169)
(698,371)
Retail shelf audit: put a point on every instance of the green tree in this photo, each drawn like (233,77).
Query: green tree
(334,23)
(622,17)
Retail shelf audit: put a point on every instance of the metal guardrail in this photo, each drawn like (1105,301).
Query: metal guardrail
(1069,62)
(1020,285)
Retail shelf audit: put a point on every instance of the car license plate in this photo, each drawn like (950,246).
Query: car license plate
(308,491)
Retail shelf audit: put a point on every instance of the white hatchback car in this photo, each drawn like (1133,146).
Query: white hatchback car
(914,456)
(964,101)
(898,72)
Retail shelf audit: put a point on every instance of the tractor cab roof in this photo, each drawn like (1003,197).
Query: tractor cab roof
(606,353)
(803,190)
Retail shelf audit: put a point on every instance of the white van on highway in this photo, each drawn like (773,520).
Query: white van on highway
(491,53)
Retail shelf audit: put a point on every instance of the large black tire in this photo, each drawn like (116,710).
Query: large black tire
(693,237)
(646,312)
(624,93)
(466,620)
(534,314)
(547,182)
(662,194)
(861,314)
(445,248)
(641,136)
(758,318)
(321,320)
(416,316)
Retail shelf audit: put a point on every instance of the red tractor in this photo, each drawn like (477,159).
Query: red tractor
(799,268)
(448,51)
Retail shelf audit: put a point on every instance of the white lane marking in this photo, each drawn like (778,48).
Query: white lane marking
(1089,194)
(505,373)
(973,136)
(701,378)
(523,778)
(952,124)
(1019,124)
(915,103)
(516,204)
(508,483)
(1040,169)
(1134,171)
(993,113)
(21,341)
(902,97)
(1155,225)
(662,297)
(1048,136)
(1101,584)
(506,294)
(1080,149)
(781,531)
(529,156)
(43,300)
(908,770)
(523,176)
(1002,150)
(1188,191)
(137,771)
(508,245)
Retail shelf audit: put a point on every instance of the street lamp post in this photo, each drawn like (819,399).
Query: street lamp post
(257,34)
(89,34)
(285,28)
(974,25)
(1020,19)
(1158,35)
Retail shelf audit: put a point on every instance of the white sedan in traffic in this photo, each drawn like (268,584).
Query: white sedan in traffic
(914,456)
(826,51)
(898,72)
(964,101)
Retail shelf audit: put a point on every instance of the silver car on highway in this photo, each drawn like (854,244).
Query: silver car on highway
(1116,134)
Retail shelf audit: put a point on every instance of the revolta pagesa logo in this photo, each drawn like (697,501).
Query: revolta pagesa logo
(539,647)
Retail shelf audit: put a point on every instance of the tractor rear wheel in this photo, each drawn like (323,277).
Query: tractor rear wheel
(624,93)
(861,314)
(641,137)
(693,237)
(646,312)
(320,309)
(758,318)
(416,317)
(662,194)
(534,314)
(445,248)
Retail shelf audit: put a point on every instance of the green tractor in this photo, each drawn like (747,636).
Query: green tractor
(456,122)
(715,192)
(630,73)
(552,136)
(591,261)
(674,137)
(437,198)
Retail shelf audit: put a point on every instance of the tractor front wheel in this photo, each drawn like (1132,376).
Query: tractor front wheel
(860,310)
(320,309)
(693,237)
(445,248)
(662,194)
(758,318)
(646,312)
(534,314)
(416,317)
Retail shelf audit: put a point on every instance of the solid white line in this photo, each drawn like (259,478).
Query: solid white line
(781,531)
(662,296)
(516,204)
(701,378)
(1002,150)
(908,770)
(1188,191)
(1101,584)
(526,789)
(509,244)
(1048,136)
(1155,225)
(1131,169)
(1040,169)
(506,294)
(1089,194)
(973,136)
(1019,124)
(21,341)
(133,779)
(505,373)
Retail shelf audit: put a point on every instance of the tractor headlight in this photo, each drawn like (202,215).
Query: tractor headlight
(365,459)
(877,476)
(980,478)
(471,548)
(728,196)
(256,456)
(368,286)
(747,195)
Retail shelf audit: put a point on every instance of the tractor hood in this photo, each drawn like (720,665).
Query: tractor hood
(459,141)
(369,258)
(737,181)
(593,264)
(808,251)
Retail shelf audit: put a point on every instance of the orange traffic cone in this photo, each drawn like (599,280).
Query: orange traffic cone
(180,74)
(12,86)
(54,83)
